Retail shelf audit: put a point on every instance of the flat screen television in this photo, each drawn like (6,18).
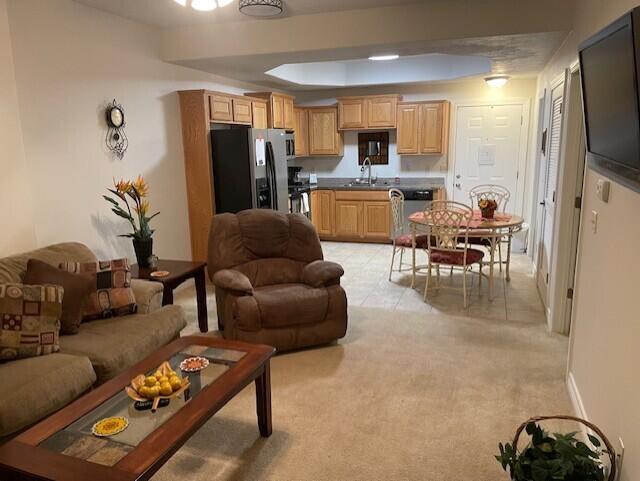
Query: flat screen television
(609,63)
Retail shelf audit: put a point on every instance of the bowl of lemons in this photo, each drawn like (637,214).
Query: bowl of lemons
(165,383)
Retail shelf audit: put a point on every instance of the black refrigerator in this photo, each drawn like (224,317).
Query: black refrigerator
(249,169)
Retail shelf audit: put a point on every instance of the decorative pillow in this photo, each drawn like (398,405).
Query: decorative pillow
(29,320)
(76,291)
(111,292)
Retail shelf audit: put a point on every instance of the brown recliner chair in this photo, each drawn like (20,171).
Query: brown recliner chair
(272,284)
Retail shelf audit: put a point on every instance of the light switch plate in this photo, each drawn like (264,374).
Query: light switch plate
(602,190)
(313,178)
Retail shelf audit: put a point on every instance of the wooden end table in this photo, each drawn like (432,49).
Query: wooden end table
(179,271)
(62,447)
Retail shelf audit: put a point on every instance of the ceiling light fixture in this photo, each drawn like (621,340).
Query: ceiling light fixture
(204,5)
(384,57)
(497,81)
(261,8)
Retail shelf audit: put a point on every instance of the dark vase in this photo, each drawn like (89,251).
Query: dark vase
(488,213)
(144,249)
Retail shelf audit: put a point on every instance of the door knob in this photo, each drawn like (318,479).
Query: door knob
(458,176)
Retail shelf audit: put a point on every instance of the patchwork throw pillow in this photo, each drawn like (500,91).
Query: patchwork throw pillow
(29,320)
(111,292)
(76,291)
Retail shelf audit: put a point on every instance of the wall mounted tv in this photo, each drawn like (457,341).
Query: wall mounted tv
(609,67)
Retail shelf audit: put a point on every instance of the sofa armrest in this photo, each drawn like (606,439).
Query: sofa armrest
(321,273)
(234,281)
(148,295)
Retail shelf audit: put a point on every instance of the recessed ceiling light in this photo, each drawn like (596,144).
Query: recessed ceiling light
(204,5)
(384,57)
(497,81)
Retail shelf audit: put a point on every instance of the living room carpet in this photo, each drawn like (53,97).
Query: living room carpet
(405,396)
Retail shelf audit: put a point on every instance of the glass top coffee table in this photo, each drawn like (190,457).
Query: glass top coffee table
(62,447)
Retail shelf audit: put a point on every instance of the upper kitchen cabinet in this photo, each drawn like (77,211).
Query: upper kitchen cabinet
(279,109)
(301,128)
(260,117)
(369,112)
(324,138)
(423,128)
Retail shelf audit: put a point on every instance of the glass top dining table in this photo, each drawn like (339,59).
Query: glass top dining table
(503,224)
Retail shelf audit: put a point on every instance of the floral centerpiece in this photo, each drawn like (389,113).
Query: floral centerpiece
(487,207)
(137,213)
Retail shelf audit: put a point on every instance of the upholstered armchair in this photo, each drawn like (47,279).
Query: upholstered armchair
(272,284)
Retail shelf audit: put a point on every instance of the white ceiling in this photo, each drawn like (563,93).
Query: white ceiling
(167,13)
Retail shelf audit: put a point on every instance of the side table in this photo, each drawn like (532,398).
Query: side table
(179,271)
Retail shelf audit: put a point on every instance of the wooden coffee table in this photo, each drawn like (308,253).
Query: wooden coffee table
(179,271)
(62,447)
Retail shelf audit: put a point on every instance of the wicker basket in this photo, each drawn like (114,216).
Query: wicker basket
(609,451)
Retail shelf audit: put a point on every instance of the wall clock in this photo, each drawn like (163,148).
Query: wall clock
(116,139)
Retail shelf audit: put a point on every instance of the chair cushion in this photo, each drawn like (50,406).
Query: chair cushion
(422,241)
(117,343)
(76,291)
(456,258)
(38,386)
(291,304)
(29,320)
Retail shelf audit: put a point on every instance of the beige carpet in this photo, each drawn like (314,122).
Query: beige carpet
(405,396)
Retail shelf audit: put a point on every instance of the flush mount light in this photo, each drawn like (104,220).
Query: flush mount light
(497,81)
(204,5)
(384,57)
(261,8)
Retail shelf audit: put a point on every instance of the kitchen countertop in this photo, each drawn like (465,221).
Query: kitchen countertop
(340,183)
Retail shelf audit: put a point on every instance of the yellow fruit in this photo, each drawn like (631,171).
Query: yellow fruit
(175,382)
(163,379)
(165,389)
(150,381)
(154,392)
(158,374)
(143,391)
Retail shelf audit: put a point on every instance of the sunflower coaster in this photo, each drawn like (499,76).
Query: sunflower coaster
(109,426)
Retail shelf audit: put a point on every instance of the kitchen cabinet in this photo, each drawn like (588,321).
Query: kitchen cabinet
(323,212)
(423,128)
(367,112)
(220,108)
(352,114)
(381,111)
(301,129)
(279,109)
(259,113)
(408,135)
(324,138)
(377,215)
(242,111)
(361,216)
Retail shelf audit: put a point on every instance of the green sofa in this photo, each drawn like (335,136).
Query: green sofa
(35,387)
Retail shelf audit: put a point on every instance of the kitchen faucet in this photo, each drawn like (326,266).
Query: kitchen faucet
(366,164)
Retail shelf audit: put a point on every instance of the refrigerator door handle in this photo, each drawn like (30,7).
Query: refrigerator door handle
(271,176)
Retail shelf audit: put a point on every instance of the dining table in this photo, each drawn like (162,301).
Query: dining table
(502,226)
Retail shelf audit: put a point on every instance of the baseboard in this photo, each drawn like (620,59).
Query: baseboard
(576,399)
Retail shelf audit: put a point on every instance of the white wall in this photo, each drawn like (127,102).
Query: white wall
(17,231)
(70,61)
(604,355)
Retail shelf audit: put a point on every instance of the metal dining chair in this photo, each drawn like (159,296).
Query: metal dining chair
(448,222)
(400,239)
(501,195)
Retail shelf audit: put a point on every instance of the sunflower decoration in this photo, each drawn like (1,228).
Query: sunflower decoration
(487,207)
(110,426)
(129,202)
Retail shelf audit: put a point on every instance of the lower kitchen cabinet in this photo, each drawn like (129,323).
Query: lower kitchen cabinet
(362,216)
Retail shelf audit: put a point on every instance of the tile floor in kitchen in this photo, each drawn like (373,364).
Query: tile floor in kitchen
(366,282)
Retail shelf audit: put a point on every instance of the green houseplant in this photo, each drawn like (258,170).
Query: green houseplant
(136,213)
(556,457)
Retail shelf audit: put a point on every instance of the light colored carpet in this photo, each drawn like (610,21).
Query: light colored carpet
(405,396)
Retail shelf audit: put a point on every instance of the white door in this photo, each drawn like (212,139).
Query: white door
(487,149)
(548,185)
